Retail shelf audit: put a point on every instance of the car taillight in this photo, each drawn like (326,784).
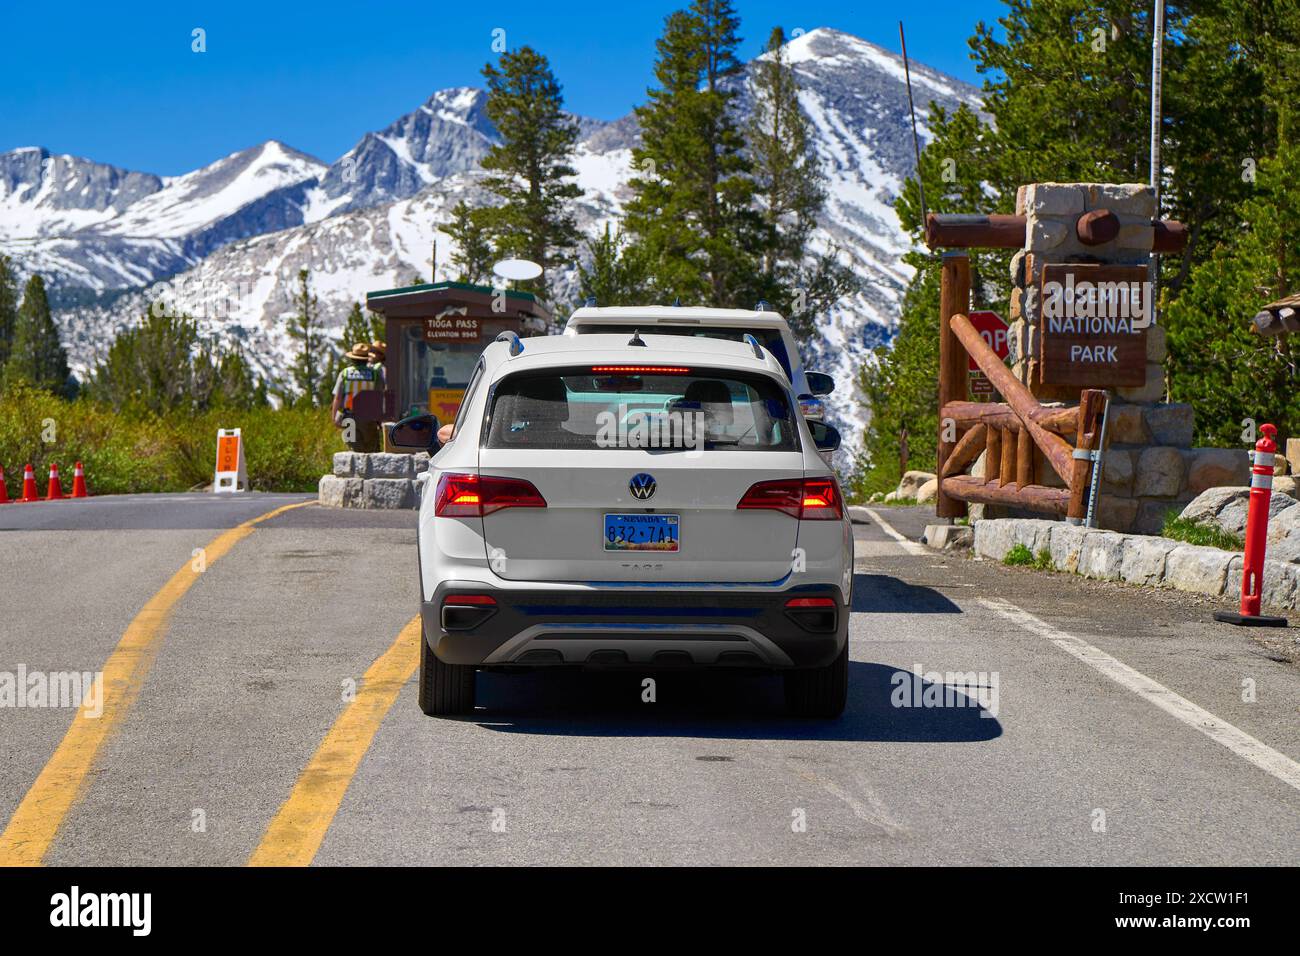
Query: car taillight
(821,500)
(473,496)
(808,499)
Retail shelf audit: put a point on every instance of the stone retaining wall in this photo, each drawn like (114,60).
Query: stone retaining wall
(380,480)
(1136,559)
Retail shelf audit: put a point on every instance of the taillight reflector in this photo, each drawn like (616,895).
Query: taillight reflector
(806,602)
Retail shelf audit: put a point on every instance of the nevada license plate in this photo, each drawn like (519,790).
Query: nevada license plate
(641,532)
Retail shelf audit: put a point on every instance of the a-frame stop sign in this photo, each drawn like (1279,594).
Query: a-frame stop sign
(993,330)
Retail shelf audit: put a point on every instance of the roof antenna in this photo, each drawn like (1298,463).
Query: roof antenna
(916,143)
(636,338)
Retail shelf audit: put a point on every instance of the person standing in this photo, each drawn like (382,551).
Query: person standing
(359,376)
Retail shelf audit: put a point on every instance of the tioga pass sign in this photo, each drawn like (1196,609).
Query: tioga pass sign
(1093,321)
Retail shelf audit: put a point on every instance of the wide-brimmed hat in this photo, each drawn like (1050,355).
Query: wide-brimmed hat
(360,352)
(378,351)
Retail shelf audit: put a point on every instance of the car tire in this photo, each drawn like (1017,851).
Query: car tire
(819,691)
(445,689)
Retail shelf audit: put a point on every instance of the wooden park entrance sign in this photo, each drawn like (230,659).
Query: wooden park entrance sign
(1094,325)
(1092,342)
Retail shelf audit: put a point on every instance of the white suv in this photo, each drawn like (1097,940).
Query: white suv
(769,327)
(645,501)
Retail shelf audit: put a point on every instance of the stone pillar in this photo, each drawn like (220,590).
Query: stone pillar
(1051,211)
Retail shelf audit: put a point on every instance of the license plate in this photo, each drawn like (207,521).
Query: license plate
(641,532)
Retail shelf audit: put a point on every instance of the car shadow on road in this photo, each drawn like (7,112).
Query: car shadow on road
(719,705)
(885,594)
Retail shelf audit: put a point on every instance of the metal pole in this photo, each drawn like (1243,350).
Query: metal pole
(916,143)
(1157,114)
(1098,459)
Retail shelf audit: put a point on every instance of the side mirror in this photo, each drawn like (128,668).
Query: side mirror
(825,437)
(417,431)
(819,383)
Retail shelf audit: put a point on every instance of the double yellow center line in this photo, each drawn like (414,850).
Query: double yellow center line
(35,823)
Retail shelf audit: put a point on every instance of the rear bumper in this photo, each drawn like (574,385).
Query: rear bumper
(600,628)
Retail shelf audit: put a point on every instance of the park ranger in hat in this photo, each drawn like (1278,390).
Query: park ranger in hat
(359,376)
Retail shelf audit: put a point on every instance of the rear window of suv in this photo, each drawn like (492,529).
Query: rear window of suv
(668,407)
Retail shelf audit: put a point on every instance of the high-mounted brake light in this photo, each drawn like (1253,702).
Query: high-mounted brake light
(808,499)
(638,370)
(473,496)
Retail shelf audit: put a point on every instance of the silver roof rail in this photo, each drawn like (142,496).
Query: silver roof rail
(516,346)
(753,343)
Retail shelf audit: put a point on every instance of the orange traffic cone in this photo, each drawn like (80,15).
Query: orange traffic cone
(4,492)
(79,483)
(29,485)
(55,490)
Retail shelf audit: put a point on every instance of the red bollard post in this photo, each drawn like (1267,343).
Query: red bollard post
(1252,570)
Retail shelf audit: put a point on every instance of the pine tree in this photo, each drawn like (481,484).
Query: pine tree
(616,275)
(155,365)
(472,256)
(786,174)
(692,214)
(529,170)
(309,365)
(37,356)
(8,309)
(236,384)
(789,195)
(1225,371)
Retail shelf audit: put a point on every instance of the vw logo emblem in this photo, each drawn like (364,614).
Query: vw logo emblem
(642,486)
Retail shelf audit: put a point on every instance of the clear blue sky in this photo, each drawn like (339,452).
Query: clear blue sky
(118,83)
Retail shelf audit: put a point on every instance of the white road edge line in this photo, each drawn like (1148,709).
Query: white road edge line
(1246,747)
(911,547)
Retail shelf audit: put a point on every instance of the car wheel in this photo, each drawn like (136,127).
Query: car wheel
(445,689)
(819,691)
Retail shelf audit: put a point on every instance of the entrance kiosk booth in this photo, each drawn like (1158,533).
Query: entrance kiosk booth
(435,333)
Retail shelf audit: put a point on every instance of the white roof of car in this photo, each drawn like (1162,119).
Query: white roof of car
(676,315)
(558,350)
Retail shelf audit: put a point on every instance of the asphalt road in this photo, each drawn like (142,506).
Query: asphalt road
(1127,727)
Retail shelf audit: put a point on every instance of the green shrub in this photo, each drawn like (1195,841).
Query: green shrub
(1194,532)
(130,452)
(1018,556)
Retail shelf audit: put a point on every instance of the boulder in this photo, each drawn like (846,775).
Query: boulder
(1207,505)
(1232,516)
(910,486)
(928,491)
